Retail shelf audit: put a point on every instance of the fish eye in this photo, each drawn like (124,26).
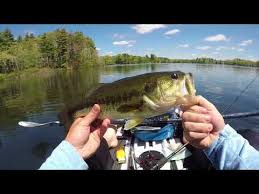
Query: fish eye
(174,76)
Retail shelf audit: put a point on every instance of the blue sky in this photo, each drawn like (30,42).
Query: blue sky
(173,41)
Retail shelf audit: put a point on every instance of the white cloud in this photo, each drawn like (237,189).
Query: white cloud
(240,49)
(183,45)
(221,48)
(124,42)
(147,28)
(109,53)
(215,53)
(119,36)
(216,38)
(172,32)
(246,42)
(194,55)
(203,47)
(98,49)
(130,45)
(227,48)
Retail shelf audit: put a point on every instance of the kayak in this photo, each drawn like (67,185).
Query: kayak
(142,149)
(145,147)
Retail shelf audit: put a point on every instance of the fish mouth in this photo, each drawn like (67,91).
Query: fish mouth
(184,89)
(188,86)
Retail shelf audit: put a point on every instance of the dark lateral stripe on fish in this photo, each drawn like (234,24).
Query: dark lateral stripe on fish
(111,100)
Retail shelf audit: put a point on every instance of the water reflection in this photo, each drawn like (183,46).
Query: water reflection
(22,98)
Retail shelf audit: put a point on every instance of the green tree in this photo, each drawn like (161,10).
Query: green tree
(47,49)
(62,47)
(27,54)
(19,38)
(152,58)
(6,40)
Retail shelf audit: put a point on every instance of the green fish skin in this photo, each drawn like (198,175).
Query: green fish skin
(137,97)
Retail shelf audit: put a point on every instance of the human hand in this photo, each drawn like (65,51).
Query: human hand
(202,123)
(84,136)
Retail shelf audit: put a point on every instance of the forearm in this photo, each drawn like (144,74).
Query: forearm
(232,151)
(64,157)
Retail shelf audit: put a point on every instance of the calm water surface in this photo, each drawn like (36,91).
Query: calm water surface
(40,99)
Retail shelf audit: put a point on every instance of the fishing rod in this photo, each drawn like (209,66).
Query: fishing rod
(145,123)
(175,120)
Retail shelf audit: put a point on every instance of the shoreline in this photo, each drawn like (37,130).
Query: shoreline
(47,71)
(27,73)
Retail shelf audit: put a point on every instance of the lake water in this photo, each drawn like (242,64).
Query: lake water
(40,99)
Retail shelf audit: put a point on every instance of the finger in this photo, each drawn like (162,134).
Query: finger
(100,128)
(194,117)
(197,127)
(78,120)
(192,136)
(181,113)
(205,103)
(198,109)
(104,127)
(92,115)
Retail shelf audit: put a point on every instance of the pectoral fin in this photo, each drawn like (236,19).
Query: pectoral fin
(150,103)
(133,123)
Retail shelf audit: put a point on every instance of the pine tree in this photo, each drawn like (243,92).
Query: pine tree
(47,50)
(19,38)
(6,39)
(62,46)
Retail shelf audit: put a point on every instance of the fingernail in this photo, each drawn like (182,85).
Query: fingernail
(207,117)
(95,108)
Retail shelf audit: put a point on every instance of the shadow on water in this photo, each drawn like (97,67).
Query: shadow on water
(41,150)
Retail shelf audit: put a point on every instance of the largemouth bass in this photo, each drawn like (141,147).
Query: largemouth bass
(138,97)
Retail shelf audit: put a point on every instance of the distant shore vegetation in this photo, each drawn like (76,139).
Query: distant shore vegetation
(62,49)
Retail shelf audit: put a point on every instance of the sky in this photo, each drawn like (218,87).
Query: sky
(183,41)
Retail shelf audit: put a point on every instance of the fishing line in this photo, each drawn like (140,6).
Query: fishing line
(235,100)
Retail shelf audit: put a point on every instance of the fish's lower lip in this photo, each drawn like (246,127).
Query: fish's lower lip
(184,89)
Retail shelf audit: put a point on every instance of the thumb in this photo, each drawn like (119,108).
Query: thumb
(92,115)
(203,102)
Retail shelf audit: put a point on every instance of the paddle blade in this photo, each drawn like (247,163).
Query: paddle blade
(28,124)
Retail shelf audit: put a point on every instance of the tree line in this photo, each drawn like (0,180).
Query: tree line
(52,49)
(60,48)
(131,59)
